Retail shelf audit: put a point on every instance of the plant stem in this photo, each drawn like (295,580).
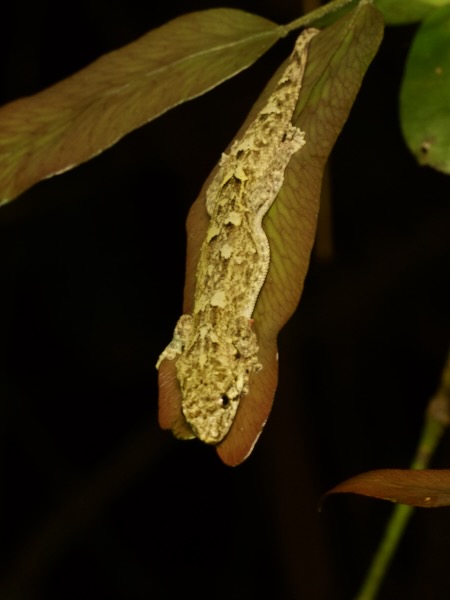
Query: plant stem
(319,13)
(437,419)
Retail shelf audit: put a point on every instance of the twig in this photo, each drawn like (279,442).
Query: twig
(437,419)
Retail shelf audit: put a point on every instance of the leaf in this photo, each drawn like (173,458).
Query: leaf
(401,12)
(337,60)
(81,116)
(425,93)
(436,3)
(427,488)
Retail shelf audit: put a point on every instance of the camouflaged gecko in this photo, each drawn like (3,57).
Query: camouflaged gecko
(216,347)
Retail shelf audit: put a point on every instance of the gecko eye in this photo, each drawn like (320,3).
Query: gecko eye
(225,401)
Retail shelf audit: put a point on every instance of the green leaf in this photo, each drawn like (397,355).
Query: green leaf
(401,12)
(425,93)
(78,118)
(436,3)
(428,488)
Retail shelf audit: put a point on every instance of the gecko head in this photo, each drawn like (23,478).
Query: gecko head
(213,378)
(210,412)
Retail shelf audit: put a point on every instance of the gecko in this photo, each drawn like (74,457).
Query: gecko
(216,347)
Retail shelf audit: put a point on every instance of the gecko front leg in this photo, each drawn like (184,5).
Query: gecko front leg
(181,337)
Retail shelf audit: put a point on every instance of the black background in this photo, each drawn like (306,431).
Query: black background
(98,502)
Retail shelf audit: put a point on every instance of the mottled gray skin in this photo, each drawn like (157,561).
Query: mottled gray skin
(216,346)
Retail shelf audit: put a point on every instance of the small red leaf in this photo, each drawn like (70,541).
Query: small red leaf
(427,488)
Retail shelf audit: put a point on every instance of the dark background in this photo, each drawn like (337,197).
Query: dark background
(96,501)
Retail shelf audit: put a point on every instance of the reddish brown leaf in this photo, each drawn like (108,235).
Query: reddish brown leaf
(427,488)
(169,414)
(338,59)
